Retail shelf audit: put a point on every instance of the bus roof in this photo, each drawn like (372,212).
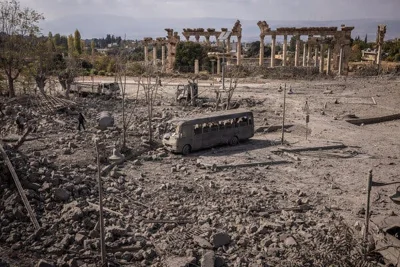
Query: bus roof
(210,117)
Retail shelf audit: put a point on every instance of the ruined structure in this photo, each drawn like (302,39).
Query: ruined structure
(155,43)
(336,42)
(380,36)
(172,41)
(236,31)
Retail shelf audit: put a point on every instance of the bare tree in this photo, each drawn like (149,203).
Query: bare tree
(150,82)
(67,76)
(127,117)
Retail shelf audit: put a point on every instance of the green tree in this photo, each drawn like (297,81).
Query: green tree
(254,50)
(187,53)
(43,61)
(19,25)
(71,47)
(77,42)
(292,44)
(366,39)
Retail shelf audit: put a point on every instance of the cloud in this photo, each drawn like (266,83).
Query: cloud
(243,9)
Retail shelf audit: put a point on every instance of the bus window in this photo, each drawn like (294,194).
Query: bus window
(206,128)
(198,129)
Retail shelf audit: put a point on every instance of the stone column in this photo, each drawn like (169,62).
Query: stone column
(308,55)
(196,66)
(146,53)
(212,66)
(296,56)
(239,52)
(316,56)
(284,52)
(378,55)
(328,61)
(154,55)
(304,54)
(261,62)
(163,55)
(228,50)
(340,68)
(321,59)
(273,51)
(218,66)
(218,42)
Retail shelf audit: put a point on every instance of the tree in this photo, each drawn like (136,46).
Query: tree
(127,118)
(77,42)
(18,25)
(254,50)
(187,53)
(71,47)
(366,39)
(44,61)
(292,44)
(149,82)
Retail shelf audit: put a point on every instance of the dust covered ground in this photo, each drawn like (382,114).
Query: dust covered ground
(169,210)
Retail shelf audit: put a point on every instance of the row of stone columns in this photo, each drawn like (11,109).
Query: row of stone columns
(146,55)
(319,51)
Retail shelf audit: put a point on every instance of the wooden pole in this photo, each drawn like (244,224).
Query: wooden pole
(283,117)
(101,218)
(369,183)
(19,187)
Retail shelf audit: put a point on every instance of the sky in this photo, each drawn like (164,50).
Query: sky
(241,9)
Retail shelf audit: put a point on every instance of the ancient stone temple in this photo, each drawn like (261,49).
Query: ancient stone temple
(321,41)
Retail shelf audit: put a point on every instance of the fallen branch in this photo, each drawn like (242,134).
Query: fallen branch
(169,221)
(313,148)
(218,167)
(375,120)
(97,207)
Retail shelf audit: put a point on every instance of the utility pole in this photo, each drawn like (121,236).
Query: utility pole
(369,185)
(101,218)
(283,117)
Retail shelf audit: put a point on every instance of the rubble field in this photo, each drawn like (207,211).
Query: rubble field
(226,206)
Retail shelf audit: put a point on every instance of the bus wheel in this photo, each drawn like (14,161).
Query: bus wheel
(186,149)
(234,141)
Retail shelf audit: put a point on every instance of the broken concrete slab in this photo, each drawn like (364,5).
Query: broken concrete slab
(180,261)
(374,120)
(208,259)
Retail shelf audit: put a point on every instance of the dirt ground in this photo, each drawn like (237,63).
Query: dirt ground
(233,200)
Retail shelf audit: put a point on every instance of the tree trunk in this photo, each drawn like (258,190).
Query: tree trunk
(41,83)
(11,88)
(67,90)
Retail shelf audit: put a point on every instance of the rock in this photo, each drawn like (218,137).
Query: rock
(79,238)
(220,239)
(358,226)
(127,256)
(72,263)
(202,242)
(43,263)
(179,261)
(266,242)
(67,151)
(61,194)
(66,241)
(290,241)
(73,213)
(219,262)
(208,259)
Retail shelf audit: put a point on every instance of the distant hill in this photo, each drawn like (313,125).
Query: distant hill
(98,26)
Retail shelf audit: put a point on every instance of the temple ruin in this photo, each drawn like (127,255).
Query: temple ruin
(336,42)
(155,43)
